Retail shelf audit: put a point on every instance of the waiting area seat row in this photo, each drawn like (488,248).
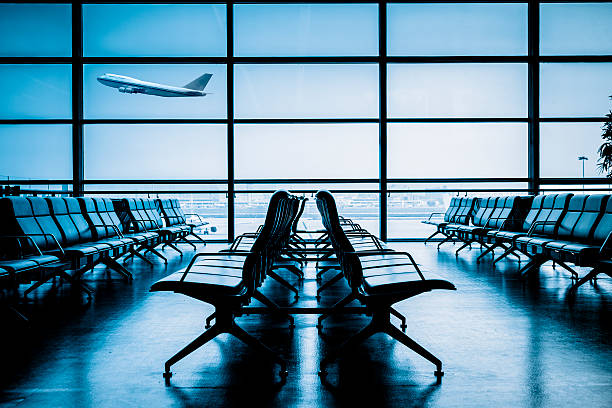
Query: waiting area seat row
(42,238)
(563,228)
(375,275)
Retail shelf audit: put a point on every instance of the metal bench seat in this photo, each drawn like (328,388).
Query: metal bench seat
(229,281)
(27,263)
(385,283)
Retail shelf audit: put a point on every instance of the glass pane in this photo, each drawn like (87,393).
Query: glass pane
(30,152)
(36,91)
(457,150)
(156,186)
(578,28)
(561,144)
(457,90)
(306,151)
(174,30)
(574,90)
(457,29)
(305,29)
(306,91)
(105,102)
(308,189)
(151,152)
(35,30)
(362,208)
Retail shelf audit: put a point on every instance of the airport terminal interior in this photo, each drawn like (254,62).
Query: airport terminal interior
(306,204)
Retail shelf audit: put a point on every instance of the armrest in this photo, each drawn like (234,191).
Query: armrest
(463,218)
(535,224)
(52,237)
(29,238)
(434,213)
(113,226)
(389,252)
(142,224)
(606,247)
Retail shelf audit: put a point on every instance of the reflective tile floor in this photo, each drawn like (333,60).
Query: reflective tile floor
(503,342)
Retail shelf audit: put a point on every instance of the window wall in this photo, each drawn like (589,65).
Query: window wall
(395,107)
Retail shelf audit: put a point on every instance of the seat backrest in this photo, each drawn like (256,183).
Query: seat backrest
(101,227)
(533,213)
(508,208)
(176,206)
(466,206)
(349,261)
(68,217)
(604,225)
(452,209)
(484,211)
(139,219)
(169,212)
(493,220)
(548,202)
(553,213)
(153,215)
(593,211)
(31,216)
(571,217)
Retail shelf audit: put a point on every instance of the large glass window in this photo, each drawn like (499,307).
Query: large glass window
(457,90)
(35,30)
(304,111)
(575,89)
(105,102)
(154,30)
(457,150)
(152,152)
(580,28)
(41,91)
(305,29)
(35,152)
(457,29)
(306,151)
(306,91)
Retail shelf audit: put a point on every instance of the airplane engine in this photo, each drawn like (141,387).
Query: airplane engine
(127,90)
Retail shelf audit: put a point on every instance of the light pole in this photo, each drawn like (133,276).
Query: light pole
(582,159)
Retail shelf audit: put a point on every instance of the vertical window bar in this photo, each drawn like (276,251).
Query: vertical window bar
(382,92)
(230,122)
(533,146)
(77,98)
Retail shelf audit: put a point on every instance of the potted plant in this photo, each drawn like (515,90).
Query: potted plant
(605,150)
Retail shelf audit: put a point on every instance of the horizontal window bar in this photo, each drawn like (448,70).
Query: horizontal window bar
(455,120)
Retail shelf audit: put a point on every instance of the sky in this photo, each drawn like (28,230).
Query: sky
(304,90)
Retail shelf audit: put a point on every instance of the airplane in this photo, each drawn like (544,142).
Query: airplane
(130,85)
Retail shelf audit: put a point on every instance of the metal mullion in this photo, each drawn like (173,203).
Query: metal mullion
(77,99)
(533,91)
(457,120)
(306,181)
(231,202)
(154,121)
(382,114)
(305,120)
(166,181)
(461,180)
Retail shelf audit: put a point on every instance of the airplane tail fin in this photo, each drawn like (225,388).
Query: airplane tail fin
(199,83)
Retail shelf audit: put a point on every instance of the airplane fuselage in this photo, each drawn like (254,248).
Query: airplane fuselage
(127,84)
